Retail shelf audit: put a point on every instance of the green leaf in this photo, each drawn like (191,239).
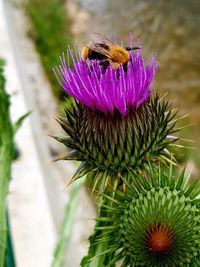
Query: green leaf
(19,122)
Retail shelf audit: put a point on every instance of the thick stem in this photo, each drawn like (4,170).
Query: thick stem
(94,257)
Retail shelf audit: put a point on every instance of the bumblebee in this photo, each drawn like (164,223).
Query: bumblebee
(101,48)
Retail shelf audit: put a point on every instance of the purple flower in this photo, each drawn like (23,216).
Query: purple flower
(107,90)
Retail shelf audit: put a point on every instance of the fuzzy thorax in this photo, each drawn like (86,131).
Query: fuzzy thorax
(119,55)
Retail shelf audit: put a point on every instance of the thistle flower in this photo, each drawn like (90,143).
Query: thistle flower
(115,126)
(156,222)
(108,91)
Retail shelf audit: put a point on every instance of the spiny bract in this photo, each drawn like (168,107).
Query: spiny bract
(110,145)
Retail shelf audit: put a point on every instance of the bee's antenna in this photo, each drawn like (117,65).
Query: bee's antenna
(132,48)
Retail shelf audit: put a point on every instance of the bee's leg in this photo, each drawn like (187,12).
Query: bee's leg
(125,67)
(104,63)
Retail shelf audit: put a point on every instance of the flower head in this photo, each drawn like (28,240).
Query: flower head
(107,90)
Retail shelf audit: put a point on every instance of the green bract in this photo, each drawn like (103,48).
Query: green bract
(110,145)
(154,201)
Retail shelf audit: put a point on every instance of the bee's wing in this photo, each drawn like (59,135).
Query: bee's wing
(100,44)
(100,39)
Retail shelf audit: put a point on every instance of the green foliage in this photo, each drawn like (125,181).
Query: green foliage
(7,131)
(51,33)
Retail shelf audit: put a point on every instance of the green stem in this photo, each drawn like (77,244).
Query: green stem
(96,248)
(6,157)
(10,261)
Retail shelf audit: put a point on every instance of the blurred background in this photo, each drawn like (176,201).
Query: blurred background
(34,34)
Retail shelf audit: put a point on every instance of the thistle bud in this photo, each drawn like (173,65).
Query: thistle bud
(156,222)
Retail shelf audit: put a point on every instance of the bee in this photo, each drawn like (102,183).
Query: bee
(101,48)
